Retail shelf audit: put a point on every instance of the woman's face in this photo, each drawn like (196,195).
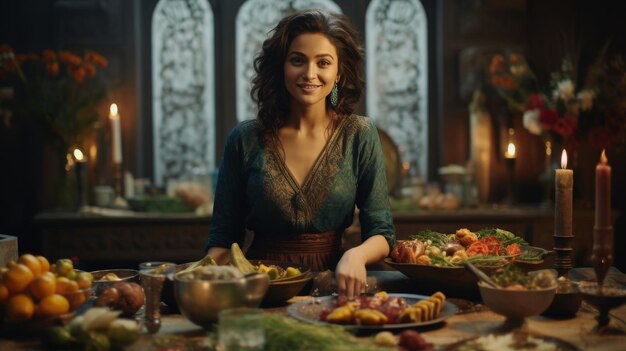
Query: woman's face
(311,69)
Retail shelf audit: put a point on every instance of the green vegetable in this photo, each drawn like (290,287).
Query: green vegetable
(286,334)
(507,238)
(437,239)
(491,260)
(511,274)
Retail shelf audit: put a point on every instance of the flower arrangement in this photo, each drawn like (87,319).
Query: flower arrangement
(58,88)
(595,113)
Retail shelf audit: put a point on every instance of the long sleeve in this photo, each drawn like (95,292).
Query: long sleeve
(372,195)
(227,224)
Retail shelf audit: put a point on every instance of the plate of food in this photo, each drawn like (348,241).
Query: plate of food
(437,259)
(516,340)
(381,311)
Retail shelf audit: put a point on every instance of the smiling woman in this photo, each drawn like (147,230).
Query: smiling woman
(295,174)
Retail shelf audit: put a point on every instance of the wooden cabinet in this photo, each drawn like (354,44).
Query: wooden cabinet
(124,241)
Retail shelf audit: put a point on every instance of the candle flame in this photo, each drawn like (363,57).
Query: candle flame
(78,154)
(510,150)
(603,158)
(564,159)
(113,109)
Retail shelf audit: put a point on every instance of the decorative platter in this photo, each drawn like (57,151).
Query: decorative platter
(474,344)
(310,309)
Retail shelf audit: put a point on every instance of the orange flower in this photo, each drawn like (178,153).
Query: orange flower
(497,64)
(90,69)
(52,69)
(69,58)
(96,58)
(78,74)
(48,55)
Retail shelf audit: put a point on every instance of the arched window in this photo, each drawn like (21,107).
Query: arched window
(183,88)
(254,21)
(397,76)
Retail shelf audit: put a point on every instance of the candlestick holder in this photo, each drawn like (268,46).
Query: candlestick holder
(510,170)
(602,252)
(564,254)
(119,201)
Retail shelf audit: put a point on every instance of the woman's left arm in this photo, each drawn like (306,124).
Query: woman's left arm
(372,199)
(351,274)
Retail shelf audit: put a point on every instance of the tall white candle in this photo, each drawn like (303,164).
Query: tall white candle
(564,182)
(117,134)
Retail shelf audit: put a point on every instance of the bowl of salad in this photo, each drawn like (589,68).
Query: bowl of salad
(436,260)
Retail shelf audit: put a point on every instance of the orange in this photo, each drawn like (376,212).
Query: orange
(77,299)
(42,286)
(4,293)
(45,264)
(52,306)
(19,308)
(31,262)
(84,280)
(66,286)
(18,277)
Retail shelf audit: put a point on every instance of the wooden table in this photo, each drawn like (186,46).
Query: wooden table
(578,331)
(473,320)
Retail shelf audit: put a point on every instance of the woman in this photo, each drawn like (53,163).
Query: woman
(294,175)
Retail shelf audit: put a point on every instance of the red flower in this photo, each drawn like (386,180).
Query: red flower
(565,127)
(535,101)
(548,117)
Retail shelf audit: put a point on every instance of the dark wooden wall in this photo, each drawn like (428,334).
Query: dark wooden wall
(462,36)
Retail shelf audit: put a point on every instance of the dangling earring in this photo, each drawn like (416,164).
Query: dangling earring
(334,95)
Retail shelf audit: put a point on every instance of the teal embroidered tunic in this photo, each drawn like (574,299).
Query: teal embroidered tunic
(256,190)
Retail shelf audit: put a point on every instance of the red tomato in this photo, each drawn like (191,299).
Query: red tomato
(494,244)
(513,249)
(477,248)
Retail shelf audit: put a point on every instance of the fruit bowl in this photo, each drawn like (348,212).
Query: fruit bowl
(78,298)
(100,283)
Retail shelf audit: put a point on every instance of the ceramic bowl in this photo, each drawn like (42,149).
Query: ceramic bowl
(516,304)
(280,291)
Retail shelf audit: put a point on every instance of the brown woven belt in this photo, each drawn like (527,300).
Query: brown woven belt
(320,251)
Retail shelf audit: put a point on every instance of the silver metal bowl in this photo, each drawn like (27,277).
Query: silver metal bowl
(201,300)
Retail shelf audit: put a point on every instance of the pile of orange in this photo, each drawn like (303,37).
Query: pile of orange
(32,288)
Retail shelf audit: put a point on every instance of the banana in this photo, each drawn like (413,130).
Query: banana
(205,261)
(240,261)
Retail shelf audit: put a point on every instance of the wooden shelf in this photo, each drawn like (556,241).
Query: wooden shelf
(124,241)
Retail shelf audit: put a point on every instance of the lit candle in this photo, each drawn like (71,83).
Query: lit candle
(510,151)
(510,148)
(117,134)
(80,178)
(563,182)
(603,193)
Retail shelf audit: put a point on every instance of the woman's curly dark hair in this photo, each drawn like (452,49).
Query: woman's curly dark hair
(268,88)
